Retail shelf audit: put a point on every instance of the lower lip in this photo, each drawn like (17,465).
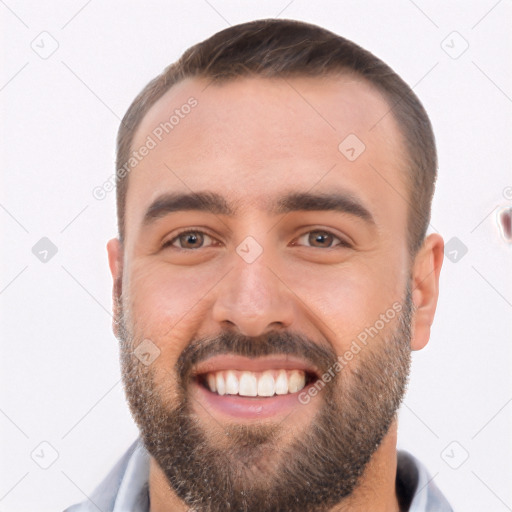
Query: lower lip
(242,407)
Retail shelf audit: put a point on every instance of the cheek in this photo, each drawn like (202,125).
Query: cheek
(347,300)
(166,304)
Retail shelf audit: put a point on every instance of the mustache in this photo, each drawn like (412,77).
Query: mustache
(273,343)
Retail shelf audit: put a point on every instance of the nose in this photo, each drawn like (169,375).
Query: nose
(253,299)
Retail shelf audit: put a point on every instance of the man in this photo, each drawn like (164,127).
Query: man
(271,276)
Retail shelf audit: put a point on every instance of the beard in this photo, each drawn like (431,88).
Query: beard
(247,467)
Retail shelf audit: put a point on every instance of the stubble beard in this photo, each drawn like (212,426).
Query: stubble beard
(244,468)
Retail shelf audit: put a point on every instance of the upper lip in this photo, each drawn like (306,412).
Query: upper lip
(259,364)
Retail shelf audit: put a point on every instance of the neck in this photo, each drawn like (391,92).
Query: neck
(375,491)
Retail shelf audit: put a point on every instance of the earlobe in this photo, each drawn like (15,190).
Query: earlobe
(425,291)
(115,262)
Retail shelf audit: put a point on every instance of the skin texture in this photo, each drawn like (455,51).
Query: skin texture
(253,140)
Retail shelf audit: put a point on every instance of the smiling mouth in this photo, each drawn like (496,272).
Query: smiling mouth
(238,388)
(247,383)
(261,377)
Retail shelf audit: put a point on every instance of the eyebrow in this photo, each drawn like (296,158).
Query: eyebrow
(295,201)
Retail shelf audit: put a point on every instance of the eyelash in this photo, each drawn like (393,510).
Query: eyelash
(343,243)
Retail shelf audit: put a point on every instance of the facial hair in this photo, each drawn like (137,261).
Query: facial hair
(247,469)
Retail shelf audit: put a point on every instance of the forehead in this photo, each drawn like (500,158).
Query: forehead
(252,138)
(328,107)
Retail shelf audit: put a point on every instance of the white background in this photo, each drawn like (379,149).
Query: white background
(60,381)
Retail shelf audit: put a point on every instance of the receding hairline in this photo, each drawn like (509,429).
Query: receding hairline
(331,76)
(286,48)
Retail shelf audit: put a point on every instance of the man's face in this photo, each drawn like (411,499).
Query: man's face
(245,306)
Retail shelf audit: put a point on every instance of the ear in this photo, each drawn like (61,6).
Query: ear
(115,262)
(426,270)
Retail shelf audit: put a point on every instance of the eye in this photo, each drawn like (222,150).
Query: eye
(321,239)
(195,239)
(190,239)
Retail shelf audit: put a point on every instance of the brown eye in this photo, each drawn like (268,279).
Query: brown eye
(188,240)
(321,239)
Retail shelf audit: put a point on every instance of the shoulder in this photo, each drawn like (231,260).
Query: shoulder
(126,483)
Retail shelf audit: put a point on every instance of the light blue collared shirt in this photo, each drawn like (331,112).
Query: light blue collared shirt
(126,487)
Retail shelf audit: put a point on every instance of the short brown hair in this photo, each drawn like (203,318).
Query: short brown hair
(286,48)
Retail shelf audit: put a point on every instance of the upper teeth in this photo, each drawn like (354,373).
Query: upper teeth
(267,383)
